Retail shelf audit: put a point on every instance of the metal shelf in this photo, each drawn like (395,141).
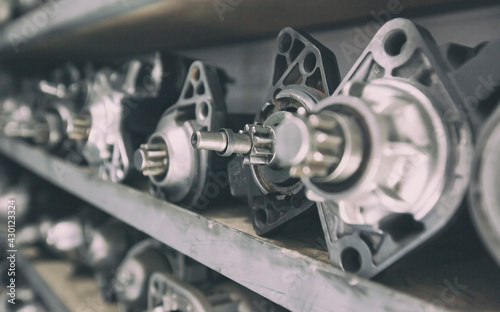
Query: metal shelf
(71,28)
(288,272)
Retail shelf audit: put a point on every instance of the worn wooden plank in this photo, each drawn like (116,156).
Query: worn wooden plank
(76,292)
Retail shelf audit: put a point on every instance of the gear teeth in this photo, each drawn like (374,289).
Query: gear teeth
(328,143)
(320,122)
(308,171)
(151,159)
(262,138)
(80,128)
(326,146)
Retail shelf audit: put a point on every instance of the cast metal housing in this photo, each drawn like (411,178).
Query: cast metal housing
(304,72)
(177,172)
(388,156)
(484,196)
(105,140)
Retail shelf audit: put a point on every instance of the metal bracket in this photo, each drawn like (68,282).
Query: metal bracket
(403,51)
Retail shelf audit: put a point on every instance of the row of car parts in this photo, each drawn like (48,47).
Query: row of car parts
(384,154)
(138,272)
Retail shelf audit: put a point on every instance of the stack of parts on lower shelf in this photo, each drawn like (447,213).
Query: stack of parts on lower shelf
(137,272)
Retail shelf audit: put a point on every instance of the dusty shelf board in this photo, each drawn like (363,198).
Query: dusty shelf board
(39,285)
(281,274)
(77,292)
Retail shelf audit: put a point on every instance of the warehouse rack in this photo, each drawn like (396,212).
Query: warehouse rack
(292,270)
(290,273)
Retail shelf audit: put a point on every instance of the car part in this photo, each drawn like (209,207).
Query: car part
(15,184)
(145,258)
(168,294)
(107,248)
(63,96)
(388,156)
(43,118)
(178,173)
(26,300)
(32,196)
(484,196)
(70,237)
(18,121)
(113,97)
(304,72)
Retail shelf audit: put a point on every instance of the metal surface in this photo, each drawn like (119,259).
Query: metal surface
(17,118)
(168,294)
(176,171)
(71,236)
(304,72)
(149,256)
(484,196)
(61,97)
(280,273)
(254,143)
(467,27)
(104,140)
(107,247)
(405,158)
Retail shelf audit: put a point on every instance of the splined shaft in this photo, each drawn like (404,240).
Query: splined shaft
(311,144)
(225,142)
(255,143)
(151,159)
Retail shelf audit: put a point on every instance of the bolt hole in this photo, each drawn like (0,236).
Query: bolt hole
(200,90)
(203,110)
(351,260)
(395,43)
(195,75)
(285,42)
(310,62)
